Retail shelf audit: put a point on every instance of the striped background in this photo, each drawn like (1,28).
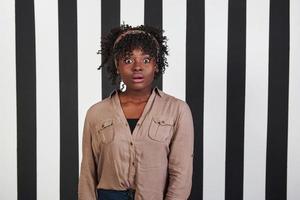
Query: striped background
(235,62)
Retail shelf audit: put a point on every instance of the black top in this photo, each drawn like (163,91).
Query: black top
(132,123)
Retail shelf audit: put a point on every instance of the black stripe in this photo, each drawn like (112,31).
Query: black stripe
(153,17)
(110,18)
(26,99)
(235,99)
(67,11)
(276,166)
(195,85)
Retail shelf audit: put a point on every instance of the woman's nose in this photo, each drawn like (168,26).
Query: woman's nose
(137,66)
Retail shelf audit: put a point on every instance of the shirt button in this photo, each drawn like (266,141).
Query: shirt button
(131,143)
(138,124)
(132,163)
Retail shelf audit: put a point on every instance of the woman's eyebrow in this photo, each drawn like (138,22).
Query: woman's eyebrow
(126,56)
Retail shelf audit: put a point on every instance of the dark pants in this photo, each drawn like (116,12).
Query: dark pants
(115,194)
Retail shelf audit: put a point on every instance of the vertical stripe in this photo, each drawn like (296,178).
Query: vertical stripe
(47,77)
(132,12)
(153,13)
(256,101)
(195,85)
(293,166)
(89,79)
(26,98)
(110,18)
(276,172)
(175,29)
(235,99)
(67,15)
(153,17)
(8,118)
(216,13)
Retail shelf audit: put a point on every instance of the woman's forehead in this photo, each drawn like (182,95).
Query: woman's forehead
(136,51)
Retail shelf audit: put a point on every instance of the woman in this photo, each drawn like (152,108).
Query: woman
(137,143)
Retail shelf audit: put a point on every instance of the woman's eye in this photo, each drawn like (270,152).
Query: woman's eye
(146,60)
(127,61)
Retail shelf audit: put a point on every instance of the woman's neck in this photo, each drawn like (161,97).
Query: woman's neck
(135,96)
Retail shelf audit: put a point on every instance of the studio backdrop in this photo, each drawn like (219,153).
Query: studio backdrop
(235,62)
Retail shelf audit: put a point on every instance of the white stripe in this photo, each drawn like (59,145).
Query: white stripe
(256,100)
(47,99)
(89,78)
(293,175)
(132,12)
(174,24)
(8,118)
(214,127)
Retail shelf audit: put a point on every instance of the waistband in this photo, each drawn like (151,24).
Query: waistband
(106,194)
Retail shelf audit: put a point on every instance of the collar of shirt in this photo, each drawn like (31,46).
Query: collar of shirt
(114,97)
(158,91)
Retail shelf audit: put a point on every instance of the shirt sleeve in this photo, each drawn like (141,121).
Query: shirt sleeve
(88,175)
(180,166)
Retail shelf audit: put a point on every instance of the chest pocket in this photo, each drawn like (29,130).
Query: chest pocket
(106,132)
(161,129)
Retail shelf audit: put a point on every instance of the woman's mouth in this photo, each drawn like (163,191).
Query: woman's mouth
(137,78)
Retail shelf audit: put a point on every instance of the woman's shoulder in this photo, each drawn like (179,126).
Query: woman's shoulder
(99,108)
(169,98)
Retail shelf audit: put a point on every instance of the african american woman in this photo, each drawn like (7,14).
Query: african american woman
(138,142)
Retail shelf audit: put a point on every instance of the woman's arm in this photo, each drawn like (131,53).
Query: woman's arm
(87,180)
(180,167)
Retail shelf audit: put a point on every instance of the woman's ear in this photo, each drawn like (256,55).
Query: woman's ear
(116,64)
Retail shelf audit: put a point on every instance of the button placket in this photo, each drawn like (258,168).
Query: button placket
(132,162)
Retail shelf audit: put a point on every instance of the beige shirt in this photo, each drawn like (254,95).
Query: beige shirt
(156,159)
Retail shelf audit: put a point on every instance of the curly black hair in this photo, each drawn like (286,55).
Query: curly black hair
(118,44)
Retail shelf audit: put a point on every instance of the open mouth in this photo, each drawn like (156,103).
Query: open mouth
(137,78)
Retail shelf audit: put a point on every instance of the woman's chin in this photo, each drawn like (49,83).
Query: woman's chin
(138,87)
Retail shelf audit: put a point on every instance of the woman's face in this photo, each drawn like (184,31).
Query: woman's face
(137,70)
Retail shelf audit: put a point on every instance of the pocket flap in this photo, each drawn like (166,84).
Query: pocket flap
(106,131)
(106,124)
(163,121)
